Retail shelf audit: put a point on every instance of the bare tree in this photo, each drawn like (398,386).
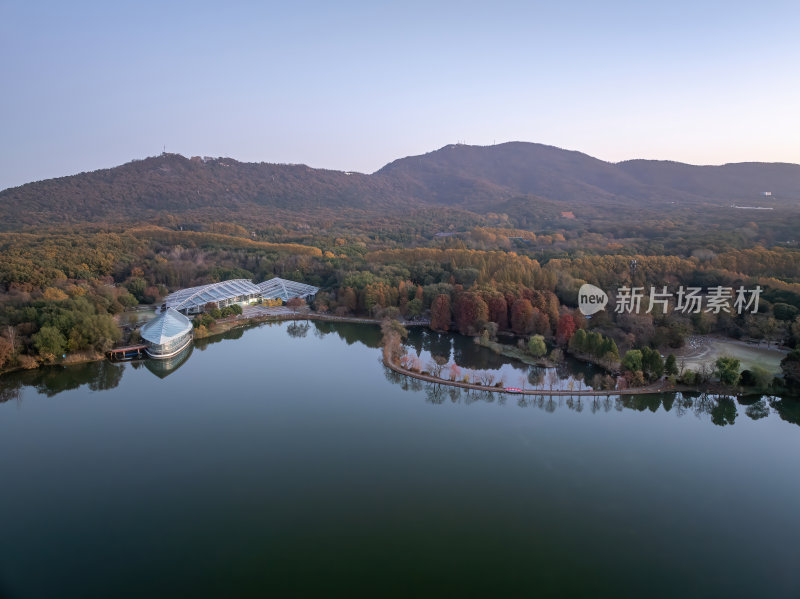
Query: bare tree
(11,335)
(455,393)
(552,378)
(435,368)
(435,393)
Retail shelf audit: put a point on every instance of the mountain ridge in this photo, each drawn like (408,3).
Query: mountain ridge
(473,178)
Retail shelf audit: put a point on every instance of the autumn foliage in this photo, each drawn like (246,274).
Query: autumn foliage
(440,313)
(565,330)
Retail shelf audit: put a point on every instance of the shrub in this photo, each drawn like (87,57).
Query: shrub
(536,346)
(49,341)
(727,368)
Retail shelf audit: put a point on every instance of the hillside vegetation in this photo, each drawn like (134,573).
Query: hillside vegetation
(516,179)
(482,240)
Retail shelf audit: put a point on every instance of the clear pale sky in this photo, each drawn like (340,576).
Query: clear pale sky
(354,85)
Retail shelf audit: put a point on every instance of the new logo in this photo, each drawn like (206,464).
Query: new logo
(591,299)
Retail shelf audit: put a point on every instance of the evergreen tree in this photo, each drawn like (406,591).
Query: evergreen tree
(632,360)
(578,342)
(790,366)
(652,363)
(671,366)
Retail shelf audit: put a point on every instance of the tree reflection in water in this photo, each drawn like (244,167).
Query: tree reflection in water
(101,375)
(298,329)
(787,409)
(434,393)
(757,410)
(52,380)
(10,391)
(724,412)
(454,393)
(478,363)
(535,376)
(473,359)
(720,410)
(350,333)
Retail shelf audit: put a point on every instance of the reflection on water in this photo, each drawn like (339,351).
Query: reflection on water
(163,368)
(720,410)
(350,333)
(289,451)
(202,344)
(95,376)
(52,380)
(429,348)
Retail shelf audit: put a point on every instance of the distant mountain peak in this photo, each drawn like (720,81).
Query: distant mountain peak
(476,178)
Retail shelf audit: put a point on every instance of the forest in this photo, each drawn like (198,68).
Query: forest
(502,269)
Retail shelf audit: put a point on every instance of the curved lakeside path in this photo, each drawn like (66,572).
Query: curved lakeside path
(655,388)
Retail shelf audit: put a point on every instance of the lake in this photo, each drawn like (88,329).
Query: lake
(286,460)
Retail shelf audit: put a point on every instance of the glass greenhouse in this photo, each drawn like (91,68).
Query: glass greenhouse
(167,334)
(278,288)
(194,299)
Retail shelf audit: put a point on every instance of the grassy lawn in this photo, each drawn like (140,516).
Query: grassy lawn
(700,350)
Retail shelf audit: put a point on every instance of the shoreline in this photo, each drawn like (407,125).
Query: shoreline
(221,327)
(225,325)
(653,389)
(242,321)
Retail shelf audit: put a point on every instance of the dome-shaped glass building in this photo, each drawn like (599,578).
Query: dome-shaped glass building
(167,334)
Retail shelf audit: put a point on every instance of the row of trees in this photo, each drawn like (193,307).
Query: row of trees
(647,365)
(595,346)
(524,311)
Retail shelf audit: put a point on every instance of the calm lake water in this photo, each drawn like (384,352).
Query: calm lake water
(289,461)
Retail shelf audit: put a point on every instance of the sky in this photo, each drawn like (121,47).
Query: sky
(354,85)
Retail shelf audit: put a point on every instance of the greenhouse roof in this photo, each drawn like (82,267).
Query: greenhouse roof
(166,326)
(285,289)
(213,292)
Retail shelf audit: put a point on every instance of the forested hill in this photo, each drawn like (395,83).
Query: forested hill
(458,174)
(743,182)
(506,178)
(461,174)
(173,184)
